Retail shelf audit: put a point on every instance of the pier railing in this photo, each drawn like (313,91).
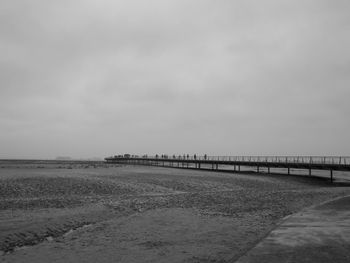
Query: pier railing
(285,159)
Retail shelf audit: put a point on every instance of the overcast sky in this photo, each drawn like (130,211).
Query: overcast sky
(223,77)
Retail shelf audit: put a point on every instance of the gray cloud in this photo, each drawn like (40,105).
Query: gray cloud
(93,78)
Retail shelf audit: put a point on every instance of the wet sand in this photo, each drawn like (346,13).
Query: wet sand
(144,214)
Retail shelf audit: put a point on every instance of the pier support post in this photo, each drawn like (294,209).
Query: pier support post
(258,169)
(331,176)
(217,166)
(288,171)
(268,169)
(309,171)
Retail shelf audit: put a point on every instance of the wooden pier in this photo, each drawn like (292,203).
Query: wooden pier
(309,163)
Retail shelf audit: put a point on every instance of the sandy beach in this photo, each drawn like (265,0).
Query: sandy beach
(108,213)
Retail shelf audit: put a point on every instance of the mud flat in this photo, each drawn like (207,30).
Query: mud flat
(104,213)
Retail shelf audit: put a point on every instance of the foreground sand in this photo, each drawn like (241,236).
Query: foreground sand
(144,214)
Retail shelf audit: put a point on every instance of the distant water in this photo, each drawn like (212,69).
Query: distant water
(15,163)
